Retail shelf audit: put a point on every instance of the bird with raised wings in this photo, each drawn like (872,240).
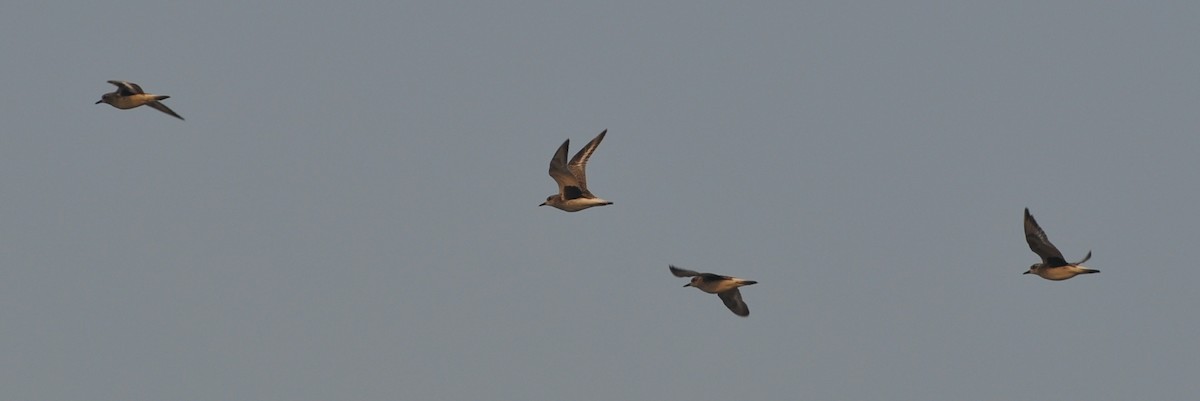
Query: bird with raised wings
(1053,266)
(573,194)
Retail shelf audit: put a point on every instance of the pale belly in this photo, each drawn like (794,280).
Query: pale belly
(575,205)
(129,102)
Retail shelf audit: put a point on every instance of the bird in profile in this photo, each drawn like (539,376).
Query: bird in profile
(573,194)
(1053,266)
(724,286)
(129,95)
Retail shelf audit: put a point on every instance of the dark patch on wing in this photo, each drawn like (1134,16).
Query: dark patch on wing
(571,192)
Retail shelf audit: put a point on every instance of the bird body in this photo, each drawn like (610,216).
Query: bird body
(715,284)
(1059,273)
(130,101)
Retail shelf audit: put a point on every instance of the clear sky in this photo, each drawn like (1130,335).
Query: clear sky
(350,210)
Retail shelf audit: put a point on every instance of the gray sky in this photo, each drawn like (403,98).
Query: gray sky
(349,211)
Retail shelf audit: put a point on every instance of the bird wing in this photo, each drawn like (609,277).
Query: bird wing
(682,272)
(126,88)
(733,301)
(568,186)
(1041,245)
(1085,259)
(713,277)
(157,105)
(579,162)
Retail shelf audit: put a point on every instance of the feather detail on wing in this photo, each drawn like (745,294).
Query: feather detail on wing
(578,164)
(1040,244)
(126,88)
(682,272)
(733,301)
(163,108)
(561,175)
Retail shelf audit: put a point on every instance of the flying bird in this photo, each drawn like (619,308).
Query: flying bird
(724,286)
(1053,266)
(129,95)
(573,194)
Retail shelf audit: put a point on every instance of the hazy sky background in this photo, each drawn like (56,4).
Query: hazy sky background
(350,210)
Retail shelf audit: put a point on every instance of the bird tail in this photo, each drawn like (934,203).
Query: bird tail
(161,97)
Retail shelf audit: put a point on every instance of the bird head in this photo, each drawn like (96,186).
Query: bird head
(1032,268)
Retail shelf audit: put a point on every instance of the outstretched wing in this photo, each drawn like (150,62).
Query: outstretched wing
(1085,259)
(126,88)
(1041,245)
(568,186)
(579,162)
(733,301)
(157,105)
(682,272)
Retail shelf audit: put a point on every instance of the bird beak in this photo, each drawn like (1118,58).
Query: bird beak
(687,285)
(99,101)
(543,204)
(1026,272)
